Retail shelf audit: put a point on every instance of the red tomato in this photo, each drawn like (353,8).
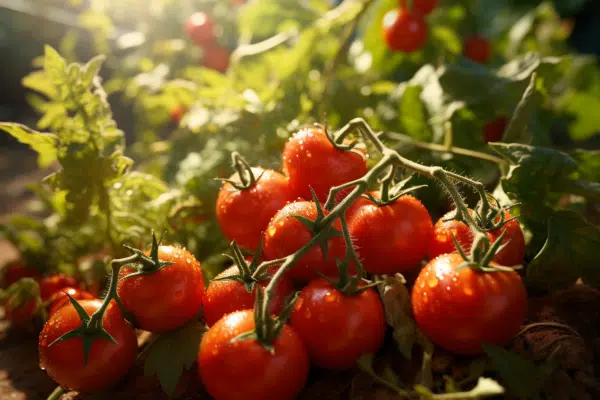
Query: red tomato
(338,329)
(107,362)
(176,114)
(423,6)
(477,49)
(199,28)
(60,299)
(285,235)
(512,254)
(168,298)
(245,370)
(216,57)
(224,297)
(243,215)
(494,130)
(53,283)
(391,238)
(14,271)
(460,310)
(310,160)
(20,315)
(404,30)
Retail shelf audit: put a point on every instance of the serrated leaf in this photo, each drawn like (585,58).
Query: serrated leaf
(516,131)
(172,353)
(54,65)
(45,144)
(91,69)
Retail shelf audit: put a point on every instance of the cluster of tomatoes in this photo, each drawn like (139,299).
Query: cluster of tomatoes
(200,28)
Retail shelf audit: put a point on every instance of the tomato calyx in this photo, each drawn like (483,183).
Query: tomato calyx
(391,192)
(147,264)
(246,274)
(245,176)
(482,255)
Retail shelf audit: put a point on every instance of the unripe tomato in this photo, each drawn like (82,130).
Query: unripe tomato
(404,30)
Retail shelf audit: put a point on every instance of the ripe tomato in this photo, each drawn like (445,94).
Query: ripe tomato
(20,315)
(107,362)
(176,114)
(512,254)
(459,310)
(423,6)
(199,28)
(60,298)
(310,160)
(494,130)
(245,370)
(216,57)
(224,297)
(285,235)
(16,270)
(243,215)
(168,298)
(404,30)
(477,49)
(53,283)
(338,329)
(391,238)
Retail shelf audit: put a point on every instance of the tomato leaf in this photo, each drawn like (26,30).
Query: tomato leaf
(172,353)
(516,131)
(43,143)
(485,387)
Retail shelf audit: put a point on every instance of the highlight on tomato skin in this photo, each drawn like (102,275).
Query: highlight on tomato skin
(61,298)
(51,284)
(199,28)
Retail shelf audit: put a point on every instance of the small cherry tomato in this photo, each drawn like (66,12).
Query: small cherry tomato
(107,362)
(16,270)
(53,283)
(338,329)
(424,6)
(494,130)
(391,238)
(199,28)
(404,30)
(245,370)
(477,49)
(176,114)
(460,310)
(165,299)
(60,298)
(243,215)
(216,57)
(311,161)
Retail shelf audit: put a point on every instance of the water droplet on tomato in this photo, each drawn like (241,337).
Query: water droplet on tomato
(272,230)
(309,155)
(448,288)
(433,282)
(330,297)
(215,352)
(468,291)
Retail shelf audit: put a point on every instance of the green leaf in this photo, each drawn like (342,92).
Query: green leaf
(413,115)
(588,162)
(516,131)
(485,387)
(583,109)
(172,353)
(571,251)
(91,70)
(522,377)
(54,65)
(45,144)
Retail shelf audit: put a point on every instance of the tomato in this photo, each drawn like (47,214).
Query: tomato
(107,362)
(404,30)
(16,270)
(176,114)
(243,215)
(513,254)
(423,6)
(338,329)
(285,235)
(460,310)
(60,299)
(245,370)
(20,315)
(53,283)
(224,297)
(494,130)
(391,238)
(311,160)
(165,299)
(477,49)
(199,28)
(216,57)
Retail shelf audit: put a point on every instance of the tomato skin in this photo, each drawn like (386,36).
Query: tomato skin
(199,28)
(513,254)
(311,160)
(224,297)
(60,299)
(247,371)
(15,271)
(459,310)
(391,238)
(168,298)
(424,7)
(107,362)
(53,283)
(404,30)
(216,57)
(20,315)
(477,49)
(338,329)
(494,130)
(243,215)
(285,235)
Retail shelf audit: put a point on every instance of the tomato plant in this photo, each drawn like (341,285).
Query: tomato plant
(151,296)
(337,328)
(404,30)
(459,309)
(51,284)
(199,28)
(257,372)
(107,361)
(61,298)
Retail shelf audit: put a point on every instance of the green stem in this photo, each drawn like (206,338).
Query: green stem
(56,393)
